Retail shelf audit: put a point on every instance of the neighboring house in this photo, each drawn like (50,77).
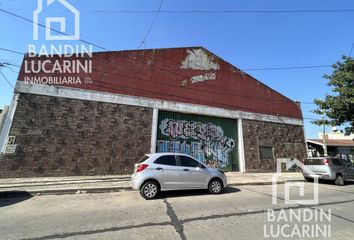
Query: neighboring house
(336,142)
(177,99)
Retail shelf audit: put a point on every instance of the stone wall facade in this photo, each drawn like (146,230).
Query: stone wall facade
(59,136)
(62,137)
(287,141)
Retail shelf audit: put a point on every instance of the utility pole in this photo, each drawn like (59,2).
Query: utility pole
(324,136)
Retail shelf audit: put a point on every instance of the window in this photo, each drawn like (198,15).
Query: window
(265,152)
(337,162)
(166,160)
(188,162)
(313,161)
(347,163)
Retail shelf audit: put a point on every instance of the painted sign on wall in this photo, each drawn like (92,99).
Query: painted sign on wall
(200,136)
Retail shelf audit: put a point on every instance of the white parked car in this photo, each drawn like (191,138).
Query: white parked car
(174,171)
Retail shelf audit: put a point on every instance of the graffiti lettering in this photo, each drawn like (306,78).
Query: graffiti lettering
(208,141)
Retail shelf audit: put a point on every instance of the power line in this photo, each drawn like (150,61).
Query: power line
(7,80)
(245,69)
(223,11)
(11,64)
(250,69)
(11,69)
(11,51)
(285,68)
(103,48)
(151,25)
(351,49)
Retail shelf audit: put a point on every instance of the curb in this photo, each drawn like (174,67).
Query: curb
(14,194)
(23,193)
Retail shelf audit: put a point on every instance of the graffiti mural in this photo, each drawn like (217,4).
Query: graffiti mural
(205,141)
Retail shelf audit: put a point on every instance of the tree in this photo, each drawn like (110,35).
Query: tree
(338,109)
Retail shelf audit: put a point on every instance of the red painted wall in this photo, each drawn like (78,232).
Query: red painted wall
(157,73)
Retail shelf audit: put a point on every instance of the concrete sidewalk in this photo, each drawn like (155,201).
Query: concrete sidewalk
(113,183)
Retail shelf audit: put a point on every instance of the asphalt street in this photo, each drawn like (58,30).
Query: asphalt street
(245,212)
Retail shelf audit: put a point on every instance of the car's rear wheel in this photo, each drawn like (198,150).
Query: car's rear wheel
(215,186)
(149,190)
(339,180)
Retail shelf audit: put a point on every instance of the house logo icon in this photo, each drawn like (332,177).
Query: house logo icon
(292,185)
(61,20)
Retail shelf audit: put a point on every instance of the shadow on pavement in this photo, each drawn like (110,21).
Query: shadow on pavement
(13,197)
(329,182)
(185,193)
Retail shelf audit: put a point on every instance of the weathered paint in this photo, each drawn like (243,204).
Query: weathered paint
(157,74)
(210,140)
(198,59)
(202,78)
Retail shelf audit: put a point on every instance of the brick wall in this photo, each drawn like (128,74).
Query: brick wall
(287,142)
(62,137)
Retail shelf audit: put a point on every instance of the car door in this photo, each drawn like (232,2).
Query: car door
(167,172)
(193,173)
(349,169)
(338,167)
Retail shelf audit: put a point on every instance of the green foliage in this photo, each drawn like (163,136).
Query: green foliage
(339,107)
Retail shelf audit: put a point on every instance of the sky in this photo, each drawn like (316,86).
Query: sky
(247,40)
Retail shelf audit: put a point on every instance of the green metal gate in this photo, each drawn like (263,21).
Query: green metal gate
(211,140)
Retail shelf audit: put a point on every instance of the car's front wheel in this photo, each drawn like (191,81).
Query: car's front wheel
(149,190)
(215,186)
(339,180)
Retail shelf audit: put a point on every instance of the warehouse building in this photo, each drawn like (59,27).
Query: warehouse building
(134,102)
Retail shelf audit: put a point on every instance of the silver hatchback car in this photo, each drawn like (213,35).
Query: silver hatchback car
(329,168)
(174,171)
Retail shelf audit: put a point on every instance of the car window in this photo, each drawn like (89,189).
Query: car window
(188,162)
(347,162)
(166,160)
(337,162)
(313,161)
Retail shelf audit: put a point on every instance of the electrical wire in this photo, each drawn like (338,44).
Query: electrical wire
(285,68)
(7,80)
(151,25)
(223,11)
(11,51)
(351,49)
(28,20)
